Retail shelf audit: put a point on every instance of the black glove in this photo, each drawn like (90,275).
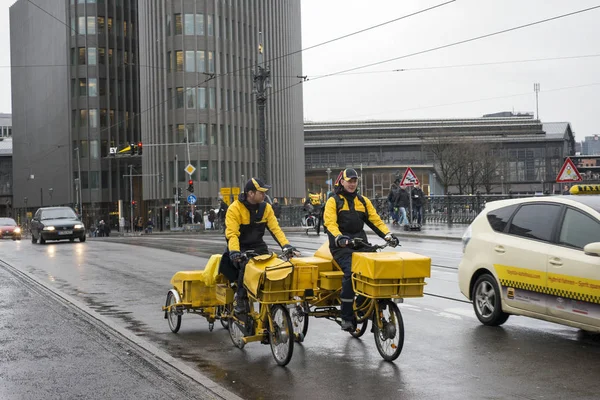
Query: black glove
(289,250)
(342,241)
(235,257)
(392,239)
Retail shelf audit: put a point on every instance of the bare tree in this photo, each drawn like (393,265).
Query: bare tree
(444,151)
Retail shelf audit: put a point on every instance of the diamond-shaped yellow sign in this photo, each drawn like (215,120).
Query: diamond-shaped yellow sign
(190,169)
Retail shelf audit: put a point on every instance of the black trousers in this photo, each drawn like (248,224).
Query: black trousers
(343,257)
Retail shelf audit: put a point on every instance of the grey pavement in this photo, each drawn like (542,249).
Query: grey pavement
(53,350)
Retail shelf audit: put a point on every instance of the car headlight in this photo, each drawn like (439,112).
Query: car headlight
(78,226)
(48,228)
(17,230)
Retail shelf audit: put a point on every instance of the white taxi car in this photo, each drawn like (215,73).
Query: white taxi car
(538,257)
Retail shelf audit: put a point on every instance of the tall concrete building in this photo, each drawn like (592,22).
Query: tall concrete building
(591,145)
(79,102)
(197,96)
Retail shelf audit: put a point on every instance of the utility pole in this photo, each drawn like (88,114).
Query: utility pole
(536,89)
(79,201)
(262,81)
(131,197)
(176,193)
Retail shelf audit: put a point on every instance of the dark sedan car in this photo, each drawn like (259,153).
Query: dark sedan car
(9,229)
(56,223)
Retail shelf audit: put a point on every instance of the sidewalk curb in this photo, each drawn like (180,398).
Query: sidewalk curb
(218,390)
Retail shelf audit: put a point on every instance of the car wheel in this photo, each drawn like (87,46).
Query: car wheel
(487,301)
(82,239)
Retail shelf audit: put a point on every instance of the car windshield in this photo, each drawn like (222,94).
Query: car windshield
(63,213)
(7,222)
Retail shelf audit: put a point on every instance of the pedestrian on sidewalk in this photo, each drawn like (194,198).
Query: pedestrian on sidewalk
(403,205)
(393,199)
(417,201)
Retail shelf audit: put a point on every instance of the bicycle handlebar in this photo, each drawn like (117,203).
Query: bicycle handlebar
(358,243)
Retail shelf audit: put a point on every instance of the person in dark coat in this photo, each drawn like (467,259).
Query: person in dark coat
(392,199)
(276,208)
(403,205)
(417,202)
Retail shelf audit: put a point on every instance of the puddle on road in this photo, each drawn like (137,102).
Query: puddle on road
(103,308)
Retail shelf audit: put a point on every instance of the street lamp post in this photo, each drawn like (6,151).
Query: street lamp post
(26,218)
(262,81)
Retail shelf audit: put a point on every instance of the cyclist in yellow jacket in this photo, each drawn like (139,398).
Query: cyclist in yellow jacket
(245,224)
(345,214)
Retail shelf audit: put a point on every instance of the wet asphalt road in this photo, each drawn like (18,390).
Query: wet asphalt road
(447,353)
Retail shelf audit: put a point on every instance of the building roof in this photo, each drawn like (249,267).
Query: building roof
(6,147)
(556,129)
(5,119)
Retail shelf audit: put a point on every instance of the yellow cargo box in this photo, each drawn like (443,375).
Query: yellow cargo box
(304,277)
(322,263)
(388,265)
(330,280)
(198,294)
(388,288)
(224,294)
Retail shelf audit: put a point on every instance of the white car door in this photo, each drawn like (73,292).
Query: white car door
(573,276)
(521,255)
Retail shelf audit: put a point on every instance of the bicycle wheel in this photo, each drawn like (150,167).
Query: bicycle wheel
(358,332)
(299,321)
(390,337)
(173,317)
(281,336)
(236,334)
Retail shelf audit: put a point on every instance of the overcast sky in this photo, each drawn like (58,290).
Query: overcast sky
(569,88)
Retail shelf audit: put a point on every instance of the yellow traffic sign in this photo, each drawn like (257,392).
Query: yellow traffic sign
(190,169)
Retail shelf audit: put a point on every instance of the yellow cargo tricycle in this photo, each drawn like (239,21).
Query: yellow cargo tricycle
(206,293)
(380,279)
(273,284)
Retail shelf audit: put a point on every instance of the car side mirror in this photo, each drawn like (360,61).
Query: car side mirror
(592,249)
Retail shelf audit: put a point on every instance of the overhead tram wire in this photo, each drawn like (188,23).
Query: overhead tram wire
(482,64)
(458,43)
(216,76)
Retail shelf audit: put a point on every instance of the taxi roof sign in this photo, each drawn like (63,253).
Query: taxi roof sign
(568,173)
(585,189)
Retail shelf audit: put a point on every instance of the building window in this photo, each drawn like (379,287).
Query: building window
(81,59)
(180,134)
(211,62)
(169,61)
(91,25)
(203,171)
(199,24)
(82,87)
(209,26)
(190,99)
(200,61)
(211,98)
(188,24)
(101,56)
(190,65)
(83,118)
(213,135)
(201,137)
(100,24)
(201,98)
(179,59)
(91,56)
(178,24)
(83,150)
(109,23)
(73,26)
(190,133)
(81,25)
(168,24)
(125,28)
(93,87)
(94,179)
(179,98)
(93,118)
(110,56)
(94,149)
(103,118)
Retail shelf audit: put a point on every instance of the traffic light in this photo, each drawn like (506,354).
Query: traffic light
(134,203)
(191,186)
(139,148)
(131,149)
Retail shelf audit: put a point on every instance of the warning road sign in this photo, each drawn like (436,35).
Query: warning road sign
(568,173)
(409,178)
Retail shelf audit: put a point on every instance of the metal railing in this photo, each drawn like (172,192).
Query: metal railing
(447,209)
